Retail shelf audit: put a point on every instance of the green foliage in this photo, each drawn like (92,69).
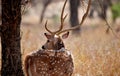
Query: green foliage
(115,10)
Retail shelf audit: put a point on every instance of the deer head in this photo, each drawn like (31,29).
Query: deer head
(54,41)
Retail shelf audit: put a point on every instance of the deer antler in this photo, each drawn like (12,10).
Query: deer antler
(83,18)
(62,21)
(62,18)
(47,28)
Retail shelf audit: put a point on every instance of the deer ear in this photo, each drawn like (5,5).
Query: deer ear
(64,36)
(47,35)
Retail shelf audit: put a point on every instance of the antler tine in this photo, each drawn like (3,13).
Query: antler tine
(83,18)
(47,28)
(85,15)
(65,17)
(62,18)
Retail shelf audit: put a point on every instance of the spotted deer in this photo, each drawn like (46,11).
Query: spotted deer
(53,59)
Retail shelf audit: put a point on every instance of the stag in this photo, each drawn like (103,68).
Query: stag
(53,59)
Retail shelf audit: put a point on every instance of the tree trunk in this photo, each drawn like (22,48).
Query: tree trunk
(10,38)
(74,4)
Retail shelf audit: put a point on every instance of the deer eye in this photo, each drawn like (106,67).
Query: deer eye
(48,40)
(43,47)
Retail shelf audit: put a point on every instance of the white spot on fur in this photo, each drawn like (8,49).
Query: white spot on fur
(56,36)
(68,53)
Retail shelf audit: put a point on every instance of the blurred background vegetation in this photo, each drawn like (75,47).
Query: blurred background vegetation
(95,52)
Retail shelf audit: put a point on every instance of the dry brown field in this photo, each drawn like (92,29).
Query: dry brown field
(95,53)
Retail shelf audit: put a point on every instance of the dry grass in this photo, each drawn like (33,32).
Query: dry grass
(95,53)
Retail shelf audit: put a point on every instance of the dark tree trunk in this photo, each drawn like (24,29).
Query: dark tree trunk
(10,38)
(74,4)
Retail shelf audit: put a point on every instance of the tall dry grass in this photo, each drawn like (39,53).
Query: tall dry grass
(95,53)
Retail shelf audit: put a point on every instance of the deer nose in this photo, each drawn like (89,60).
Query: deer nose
(43,47)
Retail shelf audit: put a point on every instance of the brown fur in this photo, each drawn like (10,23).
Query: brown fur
(49,63)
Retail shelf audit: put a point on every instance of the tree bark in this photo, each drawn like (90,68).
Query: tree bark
(74,21)
(10,38)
